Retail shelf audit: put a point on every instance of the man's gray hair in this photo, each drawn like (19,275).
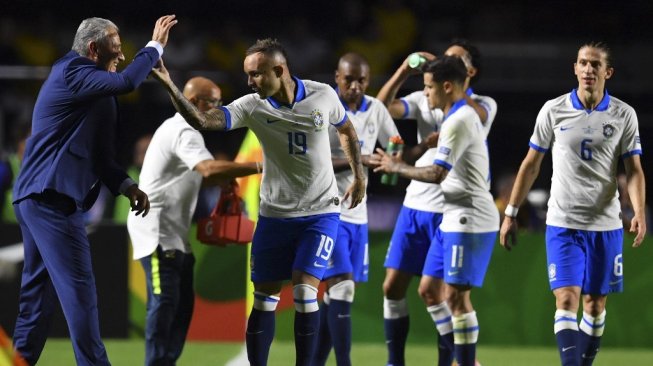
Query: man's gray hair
(91,30)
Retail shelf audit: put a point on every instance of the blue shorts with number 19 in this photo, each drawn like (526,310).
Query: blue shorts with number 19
(283,245)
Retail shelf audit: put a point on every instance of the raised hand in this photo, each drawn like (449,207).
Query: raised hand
(162,28)
(160,73)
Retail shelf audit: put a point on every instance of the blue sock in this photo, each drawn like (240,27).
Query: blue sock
(339,319)
(259,335)
(306,331)
(465,333)
(589,337)
(396,333)
(565,327)
(324,339)
(568,347)
(589,347)
(466,354)
(445,349)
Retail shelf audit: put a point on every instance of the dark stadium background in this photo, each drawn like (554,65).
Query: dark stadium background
(528,49)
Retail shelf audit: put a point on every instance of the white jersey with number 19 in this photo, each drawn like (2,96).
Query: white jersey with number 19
(298,178)
(586,148)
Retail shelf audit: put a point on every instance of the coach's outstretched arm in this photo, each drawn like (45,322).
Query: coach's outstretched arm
(213,119)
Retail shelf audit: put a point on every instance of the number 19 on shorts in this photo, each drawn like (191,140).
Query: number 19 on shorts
(325,248)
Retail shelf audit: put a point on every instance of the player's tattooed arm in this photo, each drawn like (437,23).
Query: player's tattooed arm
(388,163)
(351,147)
(213,119)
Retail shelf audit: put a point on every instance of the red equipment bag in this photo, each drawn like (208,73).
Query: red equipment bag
(227,223)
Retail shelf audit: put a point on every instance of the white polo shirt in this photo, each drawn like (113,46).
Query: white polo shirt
(172,187)
(372,123)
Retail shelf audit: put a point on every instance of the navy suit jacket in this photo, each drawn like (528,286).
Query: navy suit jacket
(72,145)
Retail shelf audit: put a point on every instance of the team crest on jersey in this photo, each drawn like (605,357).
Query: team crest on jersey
(318,118)
(371,128)
(552,271)
(608,129)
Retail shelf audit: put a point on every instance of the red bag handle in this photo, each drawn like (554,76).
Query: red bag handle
(229,202)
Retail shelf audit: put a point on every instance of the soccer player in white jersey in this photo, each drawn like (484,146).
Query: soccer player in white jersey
(588,132)
(349,261)
(300,206)
(176,164)
(422,209)
(460,252)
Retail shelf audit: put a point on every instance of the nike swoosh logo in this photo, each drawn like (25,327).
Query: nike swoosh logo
(318,265)
(565,128)
(565,349)
(615,282)
(259,332)
(450,273)
(272,120)
(342,316)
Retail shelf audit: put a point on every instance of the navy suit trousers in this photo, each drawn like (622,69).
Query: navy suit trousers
(57,266)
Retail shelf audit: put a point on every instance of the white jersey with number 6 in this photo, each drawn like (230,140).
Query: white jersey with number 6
(586,148)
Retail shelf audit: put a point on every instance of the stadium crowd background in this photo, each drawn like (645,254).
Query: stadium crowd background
(527,55)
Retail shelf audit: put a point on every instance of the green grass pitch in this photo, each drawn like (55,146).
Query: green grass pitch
(131,352)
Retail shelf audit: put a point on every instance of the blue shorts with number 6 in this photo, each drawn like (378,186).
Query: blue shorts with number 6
(591,260)
(283,245)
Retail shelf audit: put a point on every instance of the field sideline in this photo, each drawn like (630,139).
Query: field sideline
(130,352)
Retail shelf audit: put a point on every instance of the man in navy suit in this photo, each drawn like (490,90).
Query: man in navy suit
(68,156)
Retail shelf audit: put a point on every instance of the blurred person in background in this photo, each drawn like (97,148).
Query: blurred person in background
(121,205)
(10,169)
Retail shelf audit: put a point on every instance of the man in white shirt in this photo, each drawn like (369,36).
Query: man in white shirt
(588,132)
(422,209)
(460,252)
(175,165)
(300,205)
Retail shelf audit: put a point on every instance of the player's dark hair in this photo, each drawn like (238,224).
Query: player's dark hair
(269,47)
(599,45)
(447,68)
(474,55)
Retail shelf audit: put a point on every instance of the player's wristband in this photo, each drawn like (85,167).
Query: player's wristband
(511,211)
